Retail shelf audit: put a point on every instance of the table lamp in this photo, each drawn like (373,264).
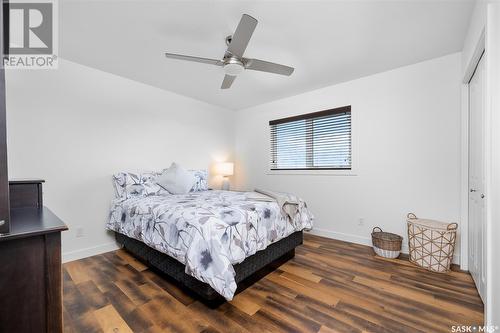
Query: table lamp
(225,169)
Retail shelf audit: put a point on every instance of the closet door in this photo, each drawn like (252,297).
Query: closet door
(477,214)
(4,179)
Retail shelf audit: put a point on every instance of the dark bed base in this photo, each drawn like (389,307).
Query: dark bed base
(248,272)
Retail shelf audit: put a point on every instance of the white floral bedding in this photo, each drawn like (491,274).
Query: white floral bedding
(208,231)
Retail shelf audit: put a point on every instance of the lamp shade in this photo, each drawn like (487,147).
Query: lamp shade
(225,169)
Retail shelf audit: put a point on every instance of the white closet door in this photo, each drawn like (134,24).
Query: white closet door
(477,213)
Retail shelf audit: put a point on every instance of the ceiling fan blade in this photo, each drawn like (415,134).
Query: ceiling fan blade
(242,35)
(228,81)
(195,59)
(266,66)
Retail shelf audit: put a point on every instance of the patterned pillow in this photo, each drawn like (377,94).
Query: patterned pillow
(128,184)
(201,183)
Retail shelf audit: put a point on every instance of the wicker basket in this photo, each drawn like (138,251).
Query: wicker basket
(386,244)
(431,243)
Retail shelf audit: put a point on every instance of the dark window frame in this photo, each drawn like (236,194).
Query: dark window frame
(309,137)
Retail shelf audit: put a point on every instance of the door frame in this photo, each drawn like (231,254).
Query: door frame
(464,175)
(489,40)
(479,184)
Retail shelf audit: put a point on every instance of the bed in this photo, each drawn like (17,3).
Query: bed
(209,241)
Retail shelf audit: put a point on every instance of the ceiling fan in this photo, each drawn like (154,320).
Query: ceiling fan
(233,61)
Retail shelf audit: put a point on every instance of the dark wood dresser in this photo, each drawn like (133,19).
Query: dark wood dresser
(30,261)
(26,193)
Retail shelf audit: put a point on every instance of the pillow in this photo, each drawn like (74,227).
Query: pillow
(128,184)
(201,183)
(201,177)
(176,180)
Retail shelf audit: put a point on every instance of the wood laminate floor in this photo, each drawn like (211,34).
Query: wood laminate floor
(330,286)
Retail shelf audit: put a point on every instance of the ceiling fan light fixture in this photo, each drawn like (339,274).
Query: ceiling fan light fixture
(233,67)
(233,61)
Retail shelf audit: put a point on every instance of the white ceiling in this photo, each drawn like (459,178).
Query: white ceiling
(326,41)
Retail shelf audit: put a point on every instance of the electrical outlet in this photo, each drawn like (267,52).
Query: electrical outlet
(79,232)
(361,221)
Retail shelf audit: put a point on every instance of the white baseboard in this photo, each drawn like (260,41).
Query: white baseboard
(363,240)
(341,236)
(89,252)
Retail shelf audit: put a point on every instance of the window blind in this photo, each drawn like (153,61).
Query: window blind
(318,140)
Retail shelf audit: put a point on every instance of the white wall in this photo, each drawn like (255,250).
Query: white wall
(406,127)
(474,32)
(493,175)
(76,126)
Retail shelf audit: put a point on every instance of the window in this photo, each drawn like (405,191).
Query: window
(313,141)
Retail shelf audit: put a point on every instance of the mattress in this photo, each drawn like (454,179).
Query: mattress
(208,231)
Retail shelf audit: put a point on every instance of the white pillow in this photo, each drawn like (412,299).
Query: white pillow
(176,180)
